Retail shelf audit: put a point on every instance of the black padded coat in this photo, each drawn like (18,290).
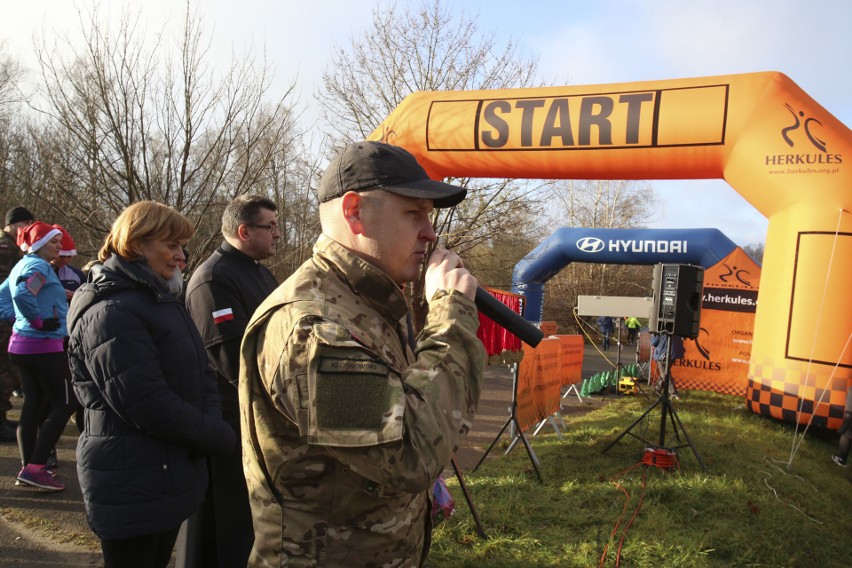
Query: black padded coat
(151,405)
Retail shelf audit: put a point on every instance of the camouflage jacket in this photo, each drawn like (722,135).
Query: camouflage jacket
(10,254)
(345,429)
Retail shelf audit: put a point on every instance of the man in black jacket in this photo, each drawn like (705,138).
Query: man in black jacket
(16,218)
(221,296)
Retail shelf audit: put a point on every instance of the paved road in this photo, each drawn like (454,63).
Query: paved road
(44,529)
(40,528)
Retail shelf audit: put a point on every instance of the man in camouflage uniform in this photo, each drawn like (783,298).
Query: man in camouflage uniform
(16,218)
(345,428)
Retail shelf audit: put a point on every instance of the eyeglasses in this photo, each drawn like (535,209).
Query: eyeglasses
(272,227)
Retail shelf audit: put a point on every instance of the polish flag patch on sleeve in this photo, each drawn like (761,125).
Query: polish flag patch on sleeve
(223,315)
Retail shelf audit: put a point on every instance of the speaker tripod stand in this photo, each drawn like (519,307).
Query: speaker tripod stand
(668,413)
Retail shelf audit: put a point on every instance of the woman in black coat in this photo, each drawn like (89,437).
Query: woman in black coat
(151,405)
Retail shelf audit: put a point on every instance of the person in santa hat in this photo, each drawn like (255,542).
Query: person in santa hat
(37,349)
(71,277)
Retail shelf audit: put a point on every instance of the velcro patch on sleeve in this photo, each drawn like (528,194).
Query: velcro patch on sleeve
(350,393)
(35,283)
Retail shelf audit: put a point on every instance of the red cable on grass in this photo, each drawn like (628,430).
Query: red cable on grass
(662,458)
(615,528)
(630,522)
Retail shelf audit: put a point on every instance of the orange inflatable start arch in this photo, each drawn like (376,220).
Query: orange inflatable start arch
(783,152)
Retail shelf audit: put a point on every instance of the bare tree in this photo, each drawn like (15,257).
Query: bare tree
(422,48)
(425,48)
(10,153)
(10,127)
(291,184)
(755,251)
(11,74)
(140,116)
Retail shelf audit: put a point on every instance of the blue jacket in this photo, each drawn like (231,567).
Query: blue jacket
(151,405)
(660,346)
(36,292)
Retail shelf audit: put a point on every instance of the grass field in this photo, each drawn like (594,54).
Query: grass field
(602,509)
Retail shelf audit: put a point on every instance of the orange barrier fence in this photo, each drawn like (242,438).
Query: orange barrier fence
(542,373)
(571,369)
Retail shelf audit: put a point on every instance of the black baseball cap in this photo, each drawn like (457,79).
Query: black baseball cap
(17,215)
(367,165)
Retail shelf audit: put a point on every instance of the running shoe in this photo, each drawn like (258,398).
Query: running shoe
(38,476)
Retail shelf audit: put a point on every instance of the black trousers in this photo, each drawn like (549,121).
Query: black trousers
(220,534)
(46,382)
(146,551)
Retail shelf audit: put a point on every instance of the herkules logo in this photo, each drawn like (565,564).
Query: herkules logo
(800,134)
(785,132)
(590,244)
(740,275)
(707,363)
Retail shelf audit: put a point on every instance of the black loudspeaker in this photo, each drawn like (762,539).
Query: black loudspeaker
(677,299)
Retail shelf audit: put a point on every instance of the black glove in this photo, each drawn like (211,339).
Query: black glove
(50,324)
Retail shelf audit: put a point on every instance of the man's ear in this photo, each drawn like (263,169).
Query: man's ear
(352,205)
(242,232)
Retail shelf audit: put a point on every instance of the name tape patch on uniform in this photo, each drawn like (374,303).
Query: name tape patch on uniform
(351,393)
(223,315)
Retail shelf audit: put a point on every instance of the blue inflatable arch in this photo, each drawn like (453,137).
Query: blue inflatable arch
(702,247)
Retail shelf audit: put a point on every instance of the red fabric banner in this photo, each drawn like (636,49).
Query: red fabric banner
(495,338)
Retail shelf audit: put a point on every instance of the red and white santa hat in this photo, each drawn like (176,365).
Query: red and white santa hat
(34,236)
(68,246)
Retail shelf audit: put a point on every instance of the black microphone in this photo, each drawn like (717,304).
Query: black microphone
(504,317)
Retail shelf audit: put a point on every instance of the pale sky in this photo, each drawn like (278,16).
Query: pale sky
(579,42)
